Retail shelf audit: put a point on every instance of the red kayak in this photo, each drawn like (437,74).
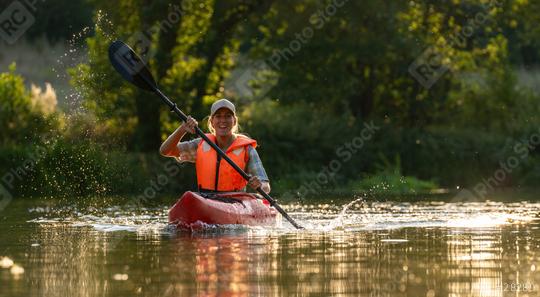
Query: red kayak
(221,208)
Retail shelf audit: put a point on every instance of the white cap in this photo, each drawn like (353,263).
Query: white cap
(222,103)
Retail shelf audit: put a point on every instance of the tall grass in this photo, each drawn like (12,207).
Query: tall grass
(41,62)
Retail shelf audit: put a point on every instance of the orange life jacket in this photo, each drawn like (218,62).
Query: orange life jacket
(228,180)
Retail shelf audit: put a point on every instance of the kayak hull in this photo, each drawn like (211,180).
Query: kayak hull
(221,209)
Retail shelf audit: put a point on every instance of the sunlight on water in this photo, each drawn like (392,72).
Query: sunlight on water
(358,248)
(357,215)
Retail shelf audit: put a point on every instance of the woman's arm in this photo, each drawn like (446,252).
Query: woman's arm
(266,187)
(255,168)
(169,148)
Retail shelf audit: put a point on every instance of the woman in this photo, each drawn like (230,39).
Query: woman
(223,125)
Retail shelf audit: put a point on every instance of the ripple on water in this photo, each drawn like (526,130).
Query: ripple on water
(355,216)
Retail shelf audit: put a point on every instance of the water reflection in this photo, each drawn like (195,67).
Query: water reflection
(75,260)
(437,262)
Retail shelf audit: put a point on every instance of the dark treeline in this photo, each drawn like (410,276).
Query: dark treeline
(449,86)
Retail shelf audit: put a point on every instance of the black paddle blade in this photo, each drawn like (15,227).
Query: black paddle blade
(131,66)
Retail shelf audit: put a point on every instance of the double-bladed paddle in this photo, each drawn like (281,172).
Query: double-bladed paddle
(133,69)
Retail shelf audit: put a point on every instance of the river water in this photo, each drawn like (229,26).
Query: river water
(349,248)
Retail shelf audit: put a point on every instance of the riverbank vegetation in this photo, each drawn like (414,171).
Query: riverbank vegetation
(336,93)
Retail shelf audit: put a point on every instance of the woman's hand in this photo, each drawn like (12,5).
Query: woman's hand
(254,182)
(189,125)
(169,148)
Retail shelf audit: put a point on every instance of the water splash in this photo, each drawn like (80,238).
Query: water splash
(358,215)
(339,222)
(74,54)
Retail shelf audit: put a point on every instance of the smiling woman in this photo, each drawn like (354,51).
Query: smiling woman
(213,174)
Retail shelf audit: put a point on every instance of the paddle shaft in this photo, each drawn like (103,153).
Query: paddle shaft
(174,108)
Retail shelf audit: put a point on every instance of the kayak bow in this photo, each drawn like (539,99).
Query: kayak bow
(221,209)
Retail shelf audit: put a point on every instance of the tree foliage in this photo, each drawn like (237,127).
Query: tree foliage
(190,46)
(317,70)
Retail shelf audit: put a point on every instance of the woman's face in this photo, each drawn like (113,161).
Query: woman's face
(223,122)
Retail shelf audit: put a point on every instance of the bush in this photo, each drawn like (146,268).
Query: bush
(390,180)
(73,170)
(24,118)
(298,143)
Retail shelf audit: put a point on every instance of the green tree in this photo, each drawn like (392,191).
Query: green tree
(191,57)
(358,59)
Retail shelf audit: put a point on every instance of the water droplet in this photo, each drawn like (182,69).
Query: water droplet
(121,277)
(6,262)
(16,270)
